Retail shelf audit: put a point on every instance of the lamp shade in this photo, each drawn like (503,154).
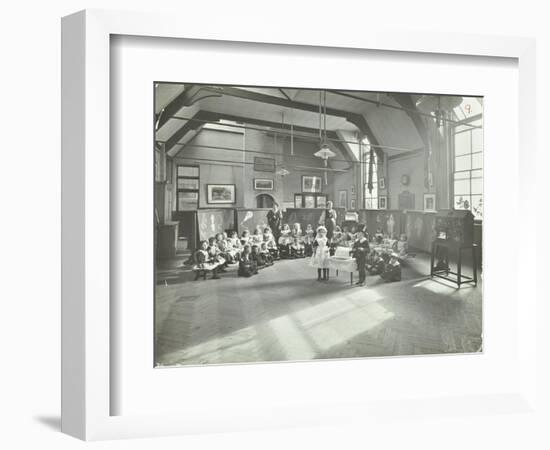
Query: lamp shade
(324,152)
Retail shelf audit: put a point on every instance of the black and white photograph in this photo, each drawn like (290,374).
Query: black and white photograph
(254,267)
(263,184)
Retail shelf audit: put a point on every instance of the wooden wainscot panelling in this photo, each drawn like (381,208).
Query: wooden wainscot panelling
(389,221)
(419,227)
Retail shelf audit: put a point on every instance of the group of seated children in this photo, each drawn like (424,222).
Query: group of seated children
(381,257)
(294,243)
(250,252)
(260,249)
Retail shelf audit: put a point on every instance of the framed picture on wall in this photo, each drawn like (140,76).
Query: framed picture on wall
(263,184)
(382,183)
(343,198)
(321,201)
(311,183)
(219,194)
(309,201)
(429,202)
(383,202)
(352,204)
(264,164)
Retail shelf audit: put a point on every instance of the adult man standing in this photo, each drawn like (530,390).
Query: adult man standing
(275,220)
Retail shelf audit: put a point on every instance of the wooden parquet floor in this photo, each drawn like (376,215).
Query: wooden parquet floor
(284,314)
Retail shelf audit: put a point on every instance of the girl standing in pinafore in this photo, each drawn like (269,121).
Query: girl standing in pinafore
(320,256)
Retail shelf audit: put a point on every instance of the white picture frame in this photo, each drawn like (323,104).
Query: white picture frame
(429,203)
(88,380)
(263,184)
(383,202)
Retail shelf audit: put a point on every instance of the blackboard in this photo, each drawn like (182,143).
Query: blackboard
(248,219)
(212,221)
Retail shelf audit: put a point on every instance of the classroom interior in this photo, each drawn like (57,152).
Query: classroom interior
(403,167)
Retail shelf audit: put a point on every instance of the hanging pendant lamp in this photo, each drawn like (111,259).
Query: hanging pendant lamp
(324,152)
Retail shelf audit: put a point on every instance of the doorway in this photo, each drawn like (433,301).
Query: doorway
(264,201)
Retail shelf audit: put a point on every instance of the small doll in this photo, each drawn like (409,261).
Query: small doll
(203,262)
(320,257)
(247,266)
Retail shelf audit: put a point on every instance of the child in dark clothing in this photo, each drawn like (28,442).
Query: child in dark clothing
(359,251)
(392,269)
(247,266)
(257,257)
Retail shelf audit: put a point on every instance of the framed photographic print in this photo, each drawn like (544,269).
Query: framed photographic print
(262,164)
(352,204)
(382,183)
(134,334)
(383,202)
(263,184)
(309,201)
(311,183)
(429,203)
(220,194)
(298,200)
(343,198)
(321,201)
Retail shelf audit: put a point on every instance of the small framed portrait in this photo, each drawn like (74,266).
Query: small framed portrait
(382,183)
(311,183)
(298,200)
(343,199)
(263,184)
(383,202)
(352,204)
(429,202)
(219,194)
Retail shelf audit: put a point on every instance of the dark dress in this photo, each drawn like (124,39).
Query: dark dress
(274,220)
(359,251)
(247,266)
(330,222)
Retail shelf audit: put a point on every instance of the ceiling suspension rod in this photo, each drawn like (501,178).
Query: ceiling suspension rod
(232,149)
(400,108)
(279,131)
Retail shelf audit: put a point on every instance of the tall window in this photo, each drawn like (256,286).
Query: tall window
(371,198)
(187,188)
(468,168)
